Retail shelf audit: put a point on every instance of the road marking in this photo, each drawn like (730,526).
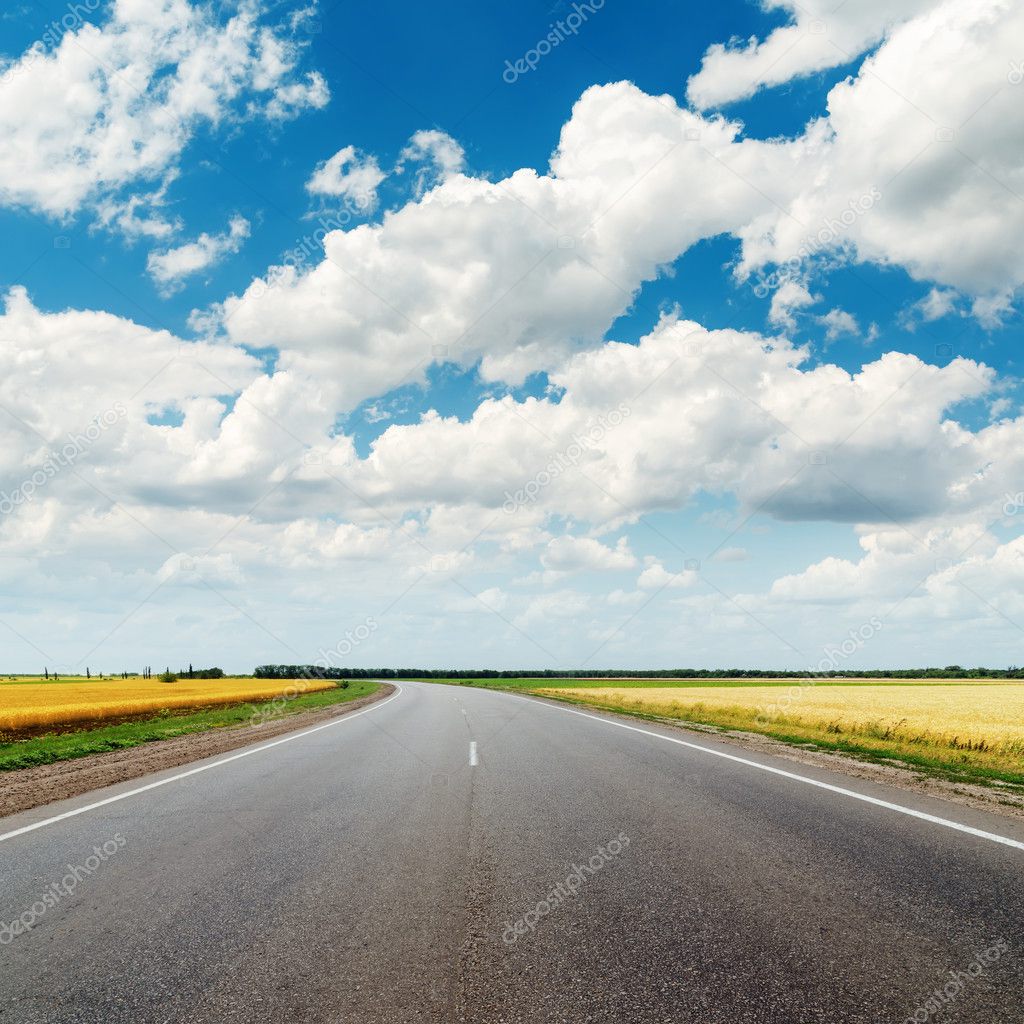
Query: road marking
(800,778)
(196,771)
(472,755)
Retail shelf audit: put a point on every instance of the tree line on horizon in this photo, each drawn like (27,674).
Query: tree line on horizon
(320,672)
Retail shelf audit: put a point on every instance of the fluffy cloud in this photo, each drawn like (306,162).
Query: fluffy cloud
(992,310)
(170,267)
(789,297)
(185,488)
(917,163)
(657,577)
(518,273)
(838,322)
(140,216)
(438,151)
(213,471)
(814,443)
(817,443)
(953,574)
(938,303)
(574,554)
(106,106)
(165,426)
(349,176)
(821,35)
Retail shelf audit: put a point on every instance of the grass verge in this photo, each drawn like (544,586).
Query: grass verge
(68,745)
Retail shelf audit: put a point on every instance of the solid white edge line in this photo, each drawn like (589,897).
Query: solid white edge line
(799,778)
(472,754)
(196,771)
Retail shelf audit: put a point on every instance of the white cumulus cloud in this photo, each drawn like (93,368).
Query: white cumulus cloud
(169,267)
(114,104)
(348,175)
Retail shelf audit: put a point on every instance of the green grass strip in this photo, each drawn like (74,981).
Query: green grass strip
(69,745)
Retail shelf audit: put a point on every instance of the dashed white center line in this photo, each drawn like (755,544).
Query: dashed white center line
(472,755)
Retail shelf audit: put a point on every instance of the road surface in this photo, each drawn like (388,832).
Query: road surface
(403,864)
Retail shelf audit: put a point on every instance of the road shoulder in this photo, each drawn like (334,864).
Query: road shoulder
(25,788)
(982,798)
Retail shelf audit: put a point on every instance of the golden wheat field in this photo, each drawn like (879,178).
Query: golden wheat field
(961,716)
(29,705)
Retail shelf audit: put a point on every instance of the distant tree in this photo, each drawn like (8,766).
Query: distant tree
(46,673)
(202,673)
(87,676)
(318,672)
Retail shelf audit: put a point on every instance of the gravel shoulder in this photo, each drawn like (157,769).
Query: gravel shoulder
(25,788)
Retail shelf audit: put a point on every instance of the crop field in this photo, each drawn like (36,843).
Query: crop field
(685,683)
(34,704)
(964,728)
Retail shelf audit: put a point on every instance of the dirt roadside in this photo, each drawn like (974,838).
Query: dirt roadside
(1009,803)
(25,788)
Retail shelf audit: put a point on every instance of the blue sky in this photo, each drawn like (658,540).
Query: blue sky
(394,71)
(843,430)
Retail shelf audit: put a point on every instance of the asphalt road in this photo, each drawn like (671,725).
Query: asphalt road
(370,871)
